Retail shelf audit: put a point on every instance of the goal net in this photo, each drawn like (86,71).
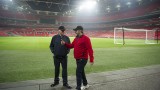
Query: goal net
(134,36)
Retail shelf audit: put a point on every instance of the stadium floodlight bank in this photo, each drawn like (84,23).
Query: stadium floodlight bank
(135,36)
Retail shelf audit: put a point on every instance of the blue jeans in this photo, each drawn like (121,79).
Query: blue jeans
(80,73)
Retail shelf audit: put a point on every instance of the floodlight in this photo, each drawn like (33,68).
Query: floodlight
(108,8)
(128,3)
(89,4)
(118,6)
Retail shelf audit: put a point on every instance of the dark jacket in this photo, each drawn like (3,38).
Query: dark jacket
(55,46)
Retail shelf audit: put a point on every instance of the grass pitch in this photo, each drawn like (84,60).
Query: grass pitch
(28,58)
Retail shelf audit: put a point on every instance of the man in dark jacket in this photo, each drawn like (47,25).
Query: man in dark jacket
(60,56)
(82,49)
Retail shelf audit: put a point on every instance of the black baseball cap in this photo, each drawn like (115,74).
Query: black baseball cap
(62,28)
(78,28)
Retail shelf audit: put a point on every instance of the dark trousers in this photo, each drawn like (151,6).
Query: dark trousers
(63,61)
(80,73)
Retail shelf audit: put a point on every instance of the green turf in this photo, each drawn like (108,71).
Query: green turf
(28,58)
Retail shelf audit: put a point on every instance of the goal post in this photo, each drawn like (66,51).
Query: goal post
(135,36)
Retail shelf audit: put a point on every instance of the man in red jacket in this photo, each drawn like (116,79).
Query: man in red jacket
(82,48)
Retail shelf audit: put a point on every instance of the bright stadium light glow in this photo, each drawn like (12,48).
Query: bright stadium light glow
(107,8)
(80,8)
(118,6)
(89,4)
(128,3)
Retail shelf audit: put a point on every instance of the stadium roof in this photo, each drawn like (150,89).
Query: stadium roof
(72,7)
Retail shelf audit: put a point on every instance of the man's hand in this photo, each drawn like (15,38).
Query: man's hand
(62,42)
(91,63)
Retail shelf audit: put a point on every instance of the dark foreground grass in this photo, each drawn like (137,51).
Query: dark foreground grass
(28,58)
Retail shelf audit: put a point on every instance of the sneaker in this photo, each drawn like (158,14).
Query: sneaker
(82,88)
(54,84)
(85,87)
(67,86)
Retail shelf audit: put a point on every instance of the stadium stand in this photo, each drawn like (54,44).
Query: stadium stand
(24,24)
(52,31)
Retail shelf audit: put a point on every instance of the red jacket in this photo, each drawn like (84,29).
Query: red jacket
(82,47)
